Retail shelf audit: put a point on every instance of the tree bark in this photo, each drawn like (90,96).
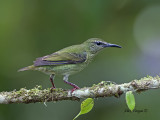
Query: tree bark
(103,89)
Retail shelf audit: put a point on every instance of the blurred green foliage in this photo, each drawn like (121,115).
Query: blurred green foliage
(31,29)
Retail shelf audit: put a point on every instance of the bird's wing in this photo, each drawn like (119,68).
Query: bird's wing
(61,58)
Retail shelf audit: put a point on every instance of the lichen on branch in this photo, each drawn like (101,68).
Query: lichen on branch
(103,89)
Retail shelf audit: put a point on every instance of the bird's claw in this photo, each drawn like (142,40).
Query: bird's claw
(52,88)
(75,88)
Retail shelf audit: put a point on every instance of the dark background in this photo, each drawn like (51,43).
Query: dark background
(34,28)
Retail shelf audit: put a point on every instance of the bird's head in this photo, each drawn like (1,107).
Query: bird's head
(94,45)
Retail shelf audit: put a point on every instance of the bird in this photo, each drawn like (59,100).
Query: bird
(69,60)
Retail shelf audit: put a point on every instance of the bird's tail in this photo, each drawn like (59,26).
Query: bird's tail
(31,67)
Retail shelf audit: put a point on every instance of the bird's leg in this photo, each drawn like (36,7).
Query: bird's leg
(52,81)
(65,78)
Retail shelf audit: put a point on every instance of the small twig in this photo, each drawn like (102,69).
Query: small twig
(103,89)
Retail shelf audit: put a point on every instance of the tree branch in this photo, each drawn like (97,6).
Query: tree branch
(103,89)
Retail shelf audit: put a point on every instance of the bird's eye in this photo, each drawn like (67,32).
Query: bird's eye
(98,43)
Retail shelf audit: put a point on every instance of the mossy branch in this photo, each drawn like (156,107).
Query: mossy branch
(103,89)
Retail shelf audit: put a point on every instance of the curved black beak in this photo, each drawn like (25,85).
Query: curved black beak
(112,45)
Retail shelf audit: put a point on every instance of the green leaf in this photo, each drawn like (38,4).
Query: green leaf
(130,100)
(86,106)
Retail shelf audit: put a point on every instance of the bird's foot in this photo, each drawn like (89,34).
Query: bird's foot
(75,88)
(52,88)
(73,85)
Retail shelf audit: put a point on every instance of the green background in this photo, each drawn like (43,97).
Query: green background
(34,28)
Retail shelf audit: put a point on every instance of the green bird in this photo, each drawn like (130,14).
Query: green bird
(69,60)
